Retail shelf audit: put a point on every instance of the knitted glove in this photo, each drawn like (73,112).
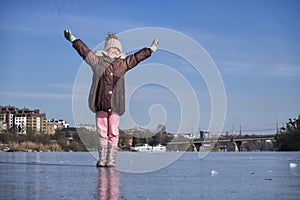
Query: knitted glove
(154,45)
(69,36)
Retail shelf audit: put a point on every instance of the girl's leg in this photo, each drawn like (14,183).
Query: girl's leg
(113,139)
(102,129)
(113,128)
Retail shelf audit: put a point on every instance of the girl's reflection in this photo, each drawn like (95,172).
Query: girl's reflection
(108,183)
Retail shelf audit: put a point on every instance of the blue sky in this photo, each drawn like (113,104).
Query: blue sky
(255,45)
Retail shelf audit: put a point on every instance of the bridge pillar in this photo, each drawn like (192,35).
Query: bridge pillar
(198,145)
(194,147)
(237,145)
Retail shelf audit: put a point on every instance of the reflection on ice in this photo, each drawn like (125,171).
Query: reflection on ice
(108,184)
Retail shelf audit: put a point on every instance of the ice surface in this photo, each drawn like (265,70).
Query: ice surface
(74,176)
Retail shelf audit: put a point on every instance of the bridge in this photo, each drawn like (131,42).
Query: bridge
(263,142)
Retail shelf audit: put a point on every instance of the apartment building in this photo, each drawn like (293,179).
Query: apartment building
(53,125)
(22,120)
(20,124)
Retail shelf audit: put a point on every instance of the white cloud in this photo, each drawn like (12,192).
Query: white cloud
(34,95)
(260,68)
(53,24)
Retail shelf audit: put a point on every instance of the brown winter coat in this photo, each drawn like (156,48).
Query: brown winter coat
(107,92)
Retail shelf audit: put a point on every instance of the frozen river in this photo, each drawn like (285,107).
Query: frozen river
(273,175)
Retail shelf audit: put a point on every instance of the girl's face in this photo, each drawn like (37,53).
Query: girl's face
(113,52)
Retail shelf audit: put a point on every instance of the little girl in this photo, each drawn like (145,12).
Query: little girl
(107,92)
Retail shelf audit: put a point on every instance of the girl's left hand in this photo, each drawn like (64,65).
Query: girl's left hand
(154,45)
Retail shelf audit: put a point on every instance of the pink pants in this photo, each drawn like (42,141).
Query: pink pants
(108,128)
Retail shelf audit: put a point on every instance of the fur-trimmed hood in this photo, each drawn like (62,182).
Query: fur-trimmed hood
(102,52)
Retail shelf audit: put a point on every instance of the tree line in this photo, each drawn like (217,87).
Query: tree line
(68,139)
(288,137)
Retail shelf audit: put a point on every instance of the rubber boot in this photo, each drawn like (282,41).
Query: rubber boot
(102,156)
(112,156)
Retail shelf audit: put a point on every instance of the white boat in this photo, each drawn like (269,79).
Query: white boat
(148,148)
(159,148)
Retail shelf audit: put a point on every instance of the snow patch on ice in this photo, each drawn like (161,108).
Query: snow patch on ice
(213,172)
(293,165)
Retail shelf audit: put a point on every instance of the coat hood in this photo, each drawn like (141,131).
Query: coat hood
(102,52)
